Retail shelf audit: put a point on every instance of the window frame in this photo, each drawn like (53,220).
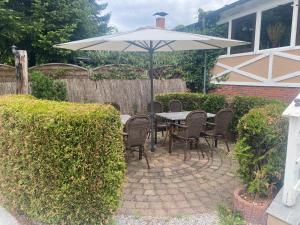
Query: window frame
(258,10)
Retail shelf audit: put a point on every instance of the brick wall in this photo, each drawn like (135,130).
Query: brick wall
(286,94)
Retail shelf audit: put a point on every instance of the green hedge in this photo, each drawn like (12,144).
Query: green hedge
(191,101)
(243,104)
(214,102)
(60,163)
(261,148)
(45,87)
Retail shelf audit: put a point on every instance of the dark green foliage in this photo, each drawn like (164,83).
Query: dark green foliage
(228,217)
(36,25)
(261,149)
(11,29)
(191,101)
(45,87)
(121,72)
(60,163)
(243,104)
(192,62)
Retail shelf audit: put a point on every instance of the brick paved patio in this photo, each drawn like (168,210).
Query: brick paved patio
(173,187)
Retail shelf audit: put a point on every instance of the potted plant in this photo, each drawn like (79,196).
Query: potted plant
(260,152)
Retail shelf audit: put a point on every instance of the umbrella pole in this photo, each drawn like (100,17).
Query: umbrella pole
(205,73)
(151,52)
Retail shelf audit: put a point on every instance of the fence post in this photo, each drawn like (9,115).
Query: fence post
(292,167)
(21,64)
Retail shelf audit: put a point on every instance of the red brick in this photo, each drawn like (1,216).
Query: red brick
(286,94)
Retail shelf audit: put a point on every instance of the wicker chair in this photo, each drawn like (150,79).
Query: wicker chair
(220,127)
(160,125)
(157,107)
(190,132)
(175,106)
(114,104)
(136,131)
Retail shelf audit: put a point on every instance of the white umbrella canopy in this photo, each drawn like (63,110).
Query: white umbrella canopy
(151,40)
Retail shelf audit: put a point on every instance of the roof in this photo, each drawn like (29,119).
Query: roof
(216,12)
(232,5)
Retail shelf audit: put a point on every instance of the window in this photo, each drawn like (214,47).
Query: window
(244,29)
(276,26)
(298,27)
(221,31)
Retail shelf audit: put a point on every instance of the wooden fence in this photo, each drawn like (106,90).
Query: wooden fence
(131,95)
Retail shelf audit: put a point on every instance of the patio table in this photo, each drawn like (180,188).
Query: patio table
(179,116)
(124,118)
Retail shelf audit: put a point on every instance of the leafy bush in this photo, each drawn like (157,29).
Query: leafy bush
(45,87)
(211,103)
(121,72)
(228,217)
(243,104)
(60,163)
(261,148)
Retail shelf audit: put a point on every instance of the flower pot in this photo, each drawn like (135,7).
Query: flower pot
(252,211)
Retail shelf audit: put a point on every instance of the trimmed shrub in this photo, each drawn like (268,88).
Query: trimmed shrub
(243,104)
(227,216)
(60,163)
(45,87)
(261,147)
(191,101)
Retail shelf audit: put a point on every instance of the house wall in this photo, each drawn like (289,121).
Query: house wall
(270,68)
(271,73)
(285,94)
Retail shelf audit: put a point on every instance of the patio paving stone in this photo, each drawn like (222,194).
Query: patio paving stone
(173,187)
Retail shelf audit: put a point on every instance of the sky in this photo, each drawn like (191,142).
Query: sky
(131,14)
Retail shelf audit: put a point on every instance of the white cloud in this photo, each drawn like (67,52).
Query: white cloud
(127,15)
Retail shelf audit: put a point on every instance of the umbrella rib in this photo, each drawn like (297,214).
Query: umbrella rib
(203,42)
(126,47)
(146,44)
(157,44)
(166,43)
(99,43)
(142,44)
(136,44)
(169,46)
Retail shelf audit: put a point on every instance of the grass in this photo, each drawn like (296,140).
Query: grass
(228,217)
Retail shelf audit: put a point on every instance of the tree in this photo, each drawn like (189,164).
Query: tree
(11,30)
(192,62)
(48,22)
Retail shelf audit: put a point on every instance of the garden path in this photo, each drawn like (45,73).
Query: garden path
(177,188)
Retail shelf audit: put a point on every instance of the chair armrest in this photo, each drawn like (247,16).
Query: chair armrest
(212,124)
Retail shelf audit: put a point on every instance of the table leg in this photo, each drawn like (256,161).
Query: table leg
(170,138)
(155,130)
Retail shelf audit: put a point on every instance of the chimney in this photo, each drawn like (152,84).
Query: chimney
(161,22)
(160,19)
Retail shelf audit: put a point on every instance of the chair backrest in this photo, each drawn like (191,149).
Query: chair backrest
(157,107)
(195,122)
(114,104)
(175,106)
(222,120)
(137,129)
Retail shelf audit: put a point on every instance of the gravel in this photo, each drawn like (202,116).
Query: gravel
(201,219)
(6,218)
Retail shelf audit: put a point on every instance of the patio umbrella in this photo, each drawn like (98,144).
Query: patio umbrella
(151,40)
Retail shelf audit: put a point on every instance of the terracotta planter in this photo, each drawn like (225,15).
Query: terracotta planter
(251,212)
